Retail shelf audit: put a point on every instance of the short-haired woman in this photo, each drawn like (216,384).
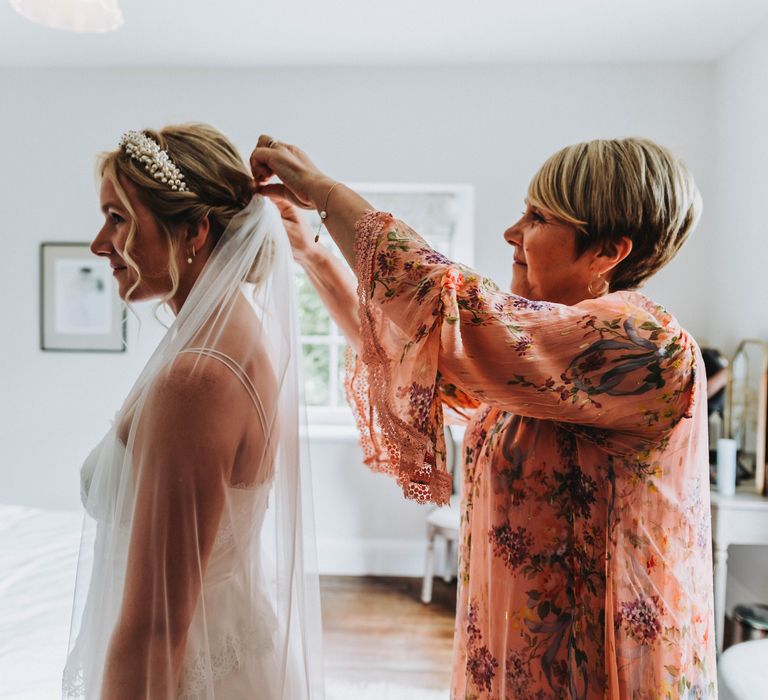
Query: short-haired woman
(585,563)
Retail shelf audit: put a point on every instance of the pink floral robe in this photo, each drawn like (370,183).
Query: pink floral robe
(585,565)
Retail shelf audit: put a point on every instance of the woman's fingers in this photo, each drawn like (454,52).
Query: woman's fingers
(288,212)
(297,173)
(263,157)
(299,234)
(278,191)
(260,163)
(265,141)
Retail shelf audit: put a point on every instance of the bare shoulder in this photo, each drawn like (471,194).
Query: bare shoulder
(195,383)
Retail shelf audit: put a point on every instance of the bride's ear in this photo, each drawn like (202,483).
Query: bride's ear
(197,234)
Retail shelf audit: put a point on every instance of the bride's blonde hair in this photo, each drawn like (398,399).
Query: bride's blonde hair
(218,186)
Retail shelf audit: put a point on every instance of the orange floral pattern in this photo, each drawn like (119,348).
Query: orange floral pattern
(585,565)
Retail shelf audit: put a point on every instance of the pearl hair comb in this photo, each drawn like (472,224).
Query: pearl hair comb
(156,161)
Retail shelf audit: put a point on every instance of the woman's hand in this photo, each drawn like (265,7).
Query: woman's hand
(304,185)
(332,279)
(301,182)
(299,233)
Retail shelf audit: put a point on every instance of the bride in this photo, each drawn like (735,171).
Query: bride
(196,576)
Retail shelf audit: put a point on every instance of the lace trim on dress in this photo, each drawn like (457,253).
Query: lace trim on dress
(227,656)
(390,444)
(226,532)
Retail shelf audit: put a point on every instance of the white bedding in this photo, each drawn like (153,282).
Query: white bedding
(38,558)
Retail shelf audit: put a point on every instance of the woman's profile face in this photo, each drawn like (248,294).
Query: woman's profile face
(545,264)
(149,249)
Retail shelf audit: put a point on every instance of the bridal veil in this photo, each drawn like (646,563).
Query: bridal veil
(219,567)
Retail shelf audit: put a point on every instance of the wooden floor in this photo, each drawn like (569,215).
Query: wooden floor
(378,630)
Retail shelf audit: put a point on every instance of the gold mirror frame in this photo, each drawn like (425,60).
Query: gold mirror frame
(746,407)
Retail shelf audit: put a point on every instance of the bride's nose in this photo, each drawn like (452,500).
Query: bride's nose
(101,245)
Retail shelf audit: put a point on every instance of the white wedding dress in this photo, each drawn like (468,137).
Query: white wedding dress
(231,647)
(255,631)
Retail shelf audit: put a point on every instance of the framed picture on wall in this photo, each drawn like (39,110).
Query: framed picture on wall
(80,309)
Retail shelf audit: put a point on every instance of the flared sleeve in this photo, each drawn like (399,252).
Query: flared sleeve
(618,369)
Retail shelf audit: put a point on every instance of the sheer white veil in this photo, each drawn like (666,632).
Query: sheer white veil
(257,605)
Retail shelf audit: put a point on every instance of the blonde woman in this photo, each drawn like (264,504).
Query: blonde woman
(585,563)
(196,589)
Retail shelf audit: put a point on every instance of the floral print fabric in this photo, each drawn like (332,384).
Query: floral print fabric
(585,552)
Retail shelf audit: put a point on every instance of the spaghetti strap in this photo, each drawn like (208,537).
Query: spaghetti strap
(238,371)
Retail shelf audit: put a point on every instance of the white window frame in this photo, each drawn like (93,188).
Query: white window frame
(461,250)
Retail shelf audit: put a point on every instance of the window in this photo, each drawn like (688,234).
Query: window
(442,214)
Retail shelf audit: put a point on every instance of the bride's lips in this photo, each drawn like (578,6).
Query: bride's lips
(118,268)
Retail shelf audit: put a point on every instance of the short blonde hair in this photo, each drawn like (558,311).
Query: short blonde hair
(621,187)
(218,182)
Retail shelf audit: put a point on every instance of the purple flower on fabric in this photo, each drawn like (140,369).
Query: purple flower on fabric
(433,257)
(423,289)
(482,434)
(387,262)
(517,676)
(522,345)
(511,546)
(473,630)
(481,666)
(579,489)
(420,403)
(474,300)
(591,362)
(523,303)
(641,618)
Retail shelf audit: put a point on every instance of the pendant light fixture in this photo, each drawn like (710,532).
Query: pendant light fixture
(72,15)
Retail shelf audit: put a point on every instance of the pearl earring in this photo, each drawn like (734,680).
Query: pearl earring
(191,256)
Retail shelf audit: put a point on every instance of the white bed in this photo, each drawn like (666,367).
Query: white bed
(38,557)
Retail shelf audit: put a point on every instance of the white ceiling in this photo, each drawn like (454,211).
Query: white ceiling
(389,32)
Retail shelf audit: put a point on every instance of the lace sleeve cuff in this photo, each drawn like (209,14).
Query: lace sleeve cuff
(396,403)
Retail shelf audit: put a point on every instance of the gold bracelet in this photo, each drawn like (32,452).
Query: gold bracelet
(323,213)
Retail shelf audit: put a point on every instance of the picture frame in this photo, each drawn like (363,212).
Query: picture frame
(80,308)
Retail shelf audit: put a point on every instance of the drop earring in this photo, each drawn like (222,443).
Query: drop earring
(191,256)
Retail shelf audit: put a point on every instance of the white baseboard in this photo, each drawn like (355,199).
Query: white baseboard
(373,557)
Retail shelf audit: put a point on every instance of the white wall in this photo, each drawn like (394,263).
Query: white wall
(491,127)
(739,255)
(740,244)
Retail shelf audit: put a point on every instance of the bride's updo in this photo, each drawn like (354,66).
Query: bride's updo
(218,186)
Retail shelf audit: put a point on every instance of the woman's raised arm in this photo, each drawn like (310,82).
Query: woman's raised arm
(334,282)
